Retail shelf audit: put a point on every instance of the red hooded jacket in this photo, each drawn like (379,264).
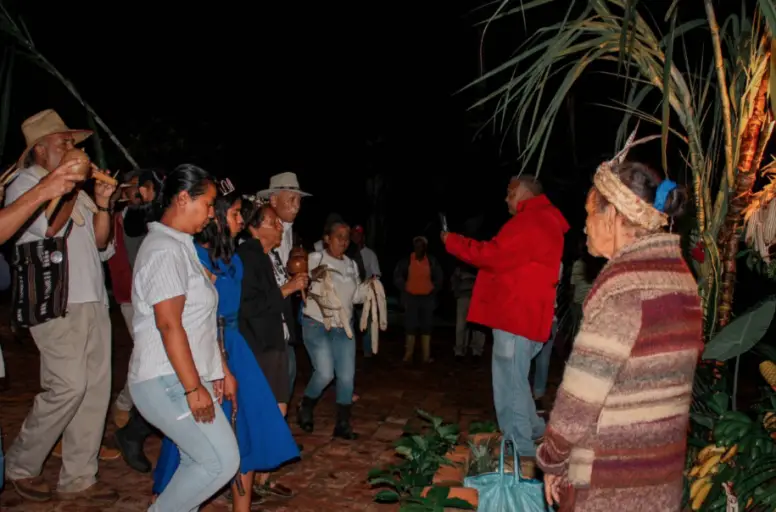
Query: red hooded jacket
(516,285)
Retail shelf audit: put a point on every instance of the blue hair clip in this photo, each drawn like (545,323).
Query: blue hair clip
(665,188)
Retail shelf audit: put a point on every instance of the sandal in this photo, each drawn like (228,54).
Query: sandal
(275,489)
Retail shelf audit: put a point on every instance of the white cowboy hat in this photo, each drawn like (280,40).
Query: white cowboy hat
(283,181)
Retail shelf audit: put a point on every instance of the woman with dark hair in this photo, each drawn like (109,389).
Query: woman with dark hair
(617,434)
(176,372)
(266,314)
(327,333)
(263,436)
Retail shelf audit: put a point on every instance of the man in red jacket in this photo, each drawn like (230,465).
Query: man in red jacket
(514,294)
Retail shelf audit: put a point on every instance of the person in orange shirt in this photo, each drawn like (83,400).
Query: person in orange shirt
(419,278)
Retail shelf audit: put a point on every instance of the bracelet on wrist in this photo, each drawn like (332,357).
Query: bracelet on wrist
(192,390)
(105,209)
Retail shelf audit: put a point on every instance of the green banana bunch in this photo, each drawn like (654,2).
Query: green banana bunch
(732,427)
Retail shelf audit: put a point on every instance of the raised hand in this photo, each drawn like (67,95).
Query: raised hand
(61,181)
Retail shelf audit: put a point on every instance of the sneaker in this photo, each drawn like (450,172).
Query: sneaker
(98,493)
(33,489)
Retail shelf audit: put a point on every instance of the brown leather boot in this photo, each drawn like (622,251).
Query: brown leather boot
(33,489)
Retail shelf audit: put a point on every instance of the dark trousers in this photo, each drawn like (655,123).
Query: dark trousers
(418,314)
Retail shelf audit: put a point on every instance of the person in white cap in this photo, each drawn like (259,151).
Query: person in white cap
(75,350)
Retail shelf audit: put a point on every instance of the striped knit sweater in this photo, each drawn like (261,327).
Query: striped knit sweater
(619,425)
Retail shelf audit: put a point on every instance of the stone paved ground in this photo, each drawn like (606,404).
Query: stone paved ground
(331,474)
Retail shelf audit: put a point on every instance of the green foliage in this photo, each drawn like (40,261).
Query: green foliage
(423,453)
(482,458)
(752,470)
(482,427)
(742,334)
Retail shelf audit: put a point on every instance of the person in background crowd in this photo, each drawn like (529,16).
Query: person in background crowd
(466,335)
(320,245)
(332,351)
(617,435)
(515,295)
(75,350)
(542,361)
(583,273)
(419,278)
(177,371)
(285,197)
(57,183)
(368,267)
(137,193)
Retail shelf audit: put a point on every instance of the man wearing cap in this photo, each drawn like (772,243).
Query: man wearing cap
(75,349)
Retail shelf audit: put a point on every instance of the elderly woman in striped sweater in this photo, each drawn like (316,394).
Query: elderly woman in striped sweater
(616,439)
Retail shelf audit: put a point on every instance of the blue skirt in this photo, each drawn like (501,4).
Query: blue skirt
(263,436)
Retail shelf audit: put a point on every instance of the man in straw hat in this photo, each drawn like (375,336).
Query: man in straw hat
(75,350)
(55,184)
(285,197)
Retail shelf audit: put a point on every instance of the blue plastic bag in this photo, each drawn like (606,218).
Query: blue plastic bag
(507,492)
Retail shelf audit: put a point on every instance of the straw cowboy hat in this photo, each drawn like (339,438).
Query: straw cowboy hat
(283,181)
(43,124)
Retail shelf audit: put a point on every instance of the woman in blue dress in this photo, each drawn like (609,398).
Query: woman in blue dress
(263,436)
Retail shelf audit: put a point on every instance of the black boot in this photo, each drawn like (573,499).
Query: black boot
(304,413)
(130,439)
(342,428)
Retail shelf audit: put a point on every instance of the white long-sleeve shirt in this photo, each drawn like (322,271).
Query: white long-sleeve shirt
(347,286)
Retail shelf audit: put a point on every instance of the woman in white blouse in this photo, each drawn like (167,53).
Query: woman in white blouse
(331,350)
(177,371)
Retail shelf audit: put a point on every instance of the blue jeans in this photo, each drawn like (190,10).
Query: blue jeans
(542,362)
(209,454)
(332,354)
(366,336)
(515,408)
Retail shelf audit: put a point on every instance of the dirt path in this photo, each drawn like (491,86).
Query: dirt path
(331,474)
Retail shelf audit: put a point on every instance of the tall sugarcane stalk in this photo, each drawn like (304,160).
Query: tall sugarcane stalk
(749,157)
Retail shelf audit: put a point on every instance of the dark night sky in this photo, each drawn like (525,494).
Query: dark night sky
(264,90)
(274,86)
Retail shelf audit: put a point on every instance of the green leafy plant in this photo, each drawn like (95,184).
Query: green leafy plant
(482,459)
(422,454)
(482,427)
